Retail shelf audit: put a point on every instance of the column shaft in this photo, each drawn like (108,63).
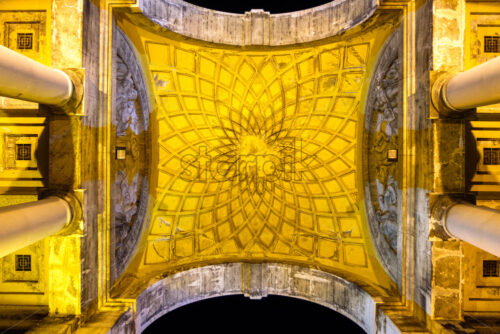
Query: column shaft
(475,87)
(25,79)
(479,226)
(23,224)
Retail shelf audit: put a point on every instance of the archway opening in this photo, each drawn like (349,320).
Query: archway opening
(227,314)
(272,6)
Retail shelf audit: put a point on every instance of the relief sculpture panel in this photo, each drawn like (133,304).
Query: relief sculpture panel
(382,142)
(130,190)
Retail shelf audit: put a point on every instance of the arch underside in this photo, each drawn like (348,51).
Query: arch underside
(258,281)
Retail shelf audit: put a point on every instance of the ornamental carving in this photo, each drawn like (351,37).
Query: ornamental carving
(126,99)
(381,142)
(386,110)
(131,155)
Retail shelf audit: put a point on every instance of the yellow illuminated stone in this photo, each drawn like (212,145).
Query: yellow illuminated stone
(258,154)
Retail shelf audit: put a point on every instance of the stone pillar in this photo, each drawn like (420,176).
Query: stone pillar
(25,79)
(479,226)
(23,224)
(467,90)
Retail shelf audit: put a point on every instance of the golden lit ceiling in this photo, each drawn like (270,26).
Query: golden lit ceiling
(258,154)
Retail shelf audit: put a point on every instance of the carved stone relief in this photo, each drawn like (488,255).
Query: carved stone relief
(381,142)
(385,139)
(126,96)
(130,190)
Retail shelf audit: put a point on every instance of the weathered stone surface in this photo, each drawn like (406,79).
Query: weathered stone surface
(66,50)
(256,281)
(449,153)
(125,324)
(130,193)
(446,307)
(421,135)
(64,153)
(448,37)
(447,4)
(258,28)
(440,247)
(446,280)
(382,122)
(447,27)
(90,128)
(447,272)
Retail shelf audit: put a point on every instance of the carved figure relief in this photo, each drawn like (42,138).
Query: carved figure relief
(125,203)
(382,121)
(126,96)
(385,138)
(130,191)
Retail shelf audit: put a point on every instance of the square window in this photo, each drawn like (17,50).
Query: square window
(121,153)
(490,269)
(24,41)
(491,156)
(392,155)
(23,262)
(23,151)
(491,44)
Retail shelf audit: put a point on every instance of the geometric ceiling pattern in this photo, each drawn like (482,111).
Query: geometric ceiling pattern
(257,155)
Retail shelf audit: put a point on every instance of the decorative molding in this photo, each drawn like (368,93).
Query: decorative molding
(126,97)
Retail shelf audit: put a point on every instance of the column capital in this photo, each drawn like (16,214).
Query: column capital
(456,94)
(440,205)
(438,82)
(74,201)
(74,105)
(440,105)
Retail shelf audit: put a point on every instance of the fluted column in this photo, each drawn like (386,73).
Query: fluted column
(477,225)
(23,224)
(25,79)
(470,89)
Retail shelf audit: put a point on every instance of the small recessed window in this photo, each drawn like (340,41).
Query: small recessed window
(23,262)
(491,156)
(392,155)
(23,151)
(490,268)
(121,153)
(491,44)
(24,41)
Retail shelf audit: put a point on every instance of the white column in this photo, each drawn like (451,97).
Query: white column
(476,87)
(477,225)
(23,224)
(25,79)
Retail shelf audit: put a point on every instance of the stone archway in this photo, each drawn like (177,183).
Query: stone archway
(257,281)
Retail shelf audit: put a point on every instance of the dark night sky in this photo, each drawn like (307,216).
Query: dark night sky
(273,6)
(238,314)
